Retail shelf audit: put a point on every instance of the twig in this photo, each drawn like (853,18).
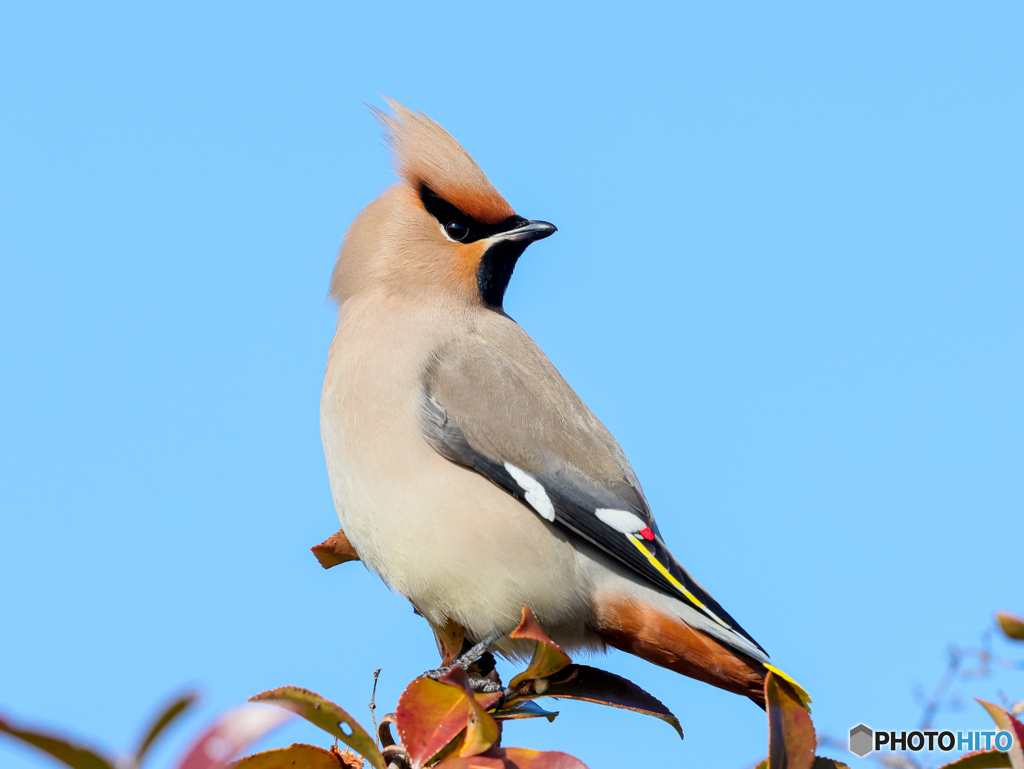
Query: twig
(934,702)
(373,699)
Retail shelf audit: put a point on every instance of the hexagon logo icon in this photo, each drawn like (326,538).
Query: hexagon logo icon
(861,740)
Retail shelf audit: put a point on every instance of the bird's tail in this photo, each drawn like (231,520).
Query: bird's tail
(647,631)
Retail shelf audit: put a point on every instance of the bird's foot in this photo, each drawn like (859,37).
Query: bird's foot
(439,672)
(485,685)
(478,663)
(479,684)
(467,659)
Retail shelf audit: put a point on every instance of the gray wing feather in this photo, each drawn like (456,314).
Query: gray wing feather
(499,407)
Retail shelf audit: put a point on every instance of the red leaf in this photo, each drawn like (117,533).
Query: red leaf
(1008,723)
(229,735)
(791,739)
(430,715)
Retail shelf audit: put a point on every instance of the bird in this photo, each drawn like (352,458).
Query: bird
(465,471)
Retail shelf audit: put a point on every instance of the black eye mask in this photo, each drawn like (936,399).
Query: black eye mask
(447,214)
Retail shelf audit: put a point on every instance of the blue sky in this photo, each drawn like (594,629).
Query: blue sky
(788,276)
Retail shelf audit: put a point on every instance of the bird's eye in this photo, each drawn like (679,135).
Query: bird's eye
(456,230)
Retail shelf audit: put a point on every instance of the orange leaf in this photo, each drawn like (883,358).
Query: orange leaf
(328,716)
(482,731)
(449,637)
(335,550)
(347,758)
(515,758)
(548,658)
(298,755)
(791,738)
(460,678)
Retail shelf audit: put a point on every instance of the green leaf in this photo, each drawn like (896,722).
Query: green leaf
(229,735)
(982,759)
(328,716)
(582,682)
(515,758)
(791,738)
(1008,723)
(1011,624)
(298,755)
(162,721)
(548,657)
(73,755)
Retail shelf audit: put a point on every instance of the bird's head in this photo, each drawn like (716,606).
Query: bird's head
(444,225)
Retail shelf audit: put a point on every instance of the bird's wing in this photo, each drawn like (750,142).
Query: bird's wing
(499,407)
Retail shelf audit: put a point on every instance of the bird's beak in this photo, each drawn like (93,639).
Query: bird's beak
(529,232)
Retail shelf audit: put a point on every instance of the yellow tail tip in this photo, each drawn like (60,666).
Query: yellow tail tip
(805,698)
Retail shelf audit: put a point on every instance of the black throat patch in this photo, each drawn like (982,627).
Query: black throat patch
(498,262)
(495,270)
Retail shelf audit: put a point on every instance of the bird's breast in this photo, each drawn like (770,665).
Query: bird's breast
(438,533)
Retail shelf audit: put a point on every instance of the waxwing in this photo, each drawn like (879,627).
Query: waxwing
(465,471)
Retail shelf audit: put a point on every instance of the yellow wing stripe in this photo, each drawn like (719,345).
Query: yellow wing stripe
(675,582)
(805,698)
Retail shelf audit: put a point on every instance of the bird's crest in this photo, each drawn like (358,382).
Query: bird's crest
(426,154)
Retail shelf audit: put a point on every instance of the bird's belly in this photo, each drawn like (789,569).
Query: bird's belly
(458,547)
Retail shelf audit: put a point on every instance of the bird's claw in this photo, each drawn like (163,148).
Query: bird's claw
(440,672)
(485,685)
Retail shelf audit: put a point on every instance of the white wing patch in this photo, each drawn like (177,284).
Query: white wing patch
(533,491)
(620,520)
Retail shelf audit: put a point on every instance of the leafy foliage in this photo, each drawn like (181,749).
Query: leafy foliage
(75,756)
(456,721)
(1011,625)
(221,741)
(328,716)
